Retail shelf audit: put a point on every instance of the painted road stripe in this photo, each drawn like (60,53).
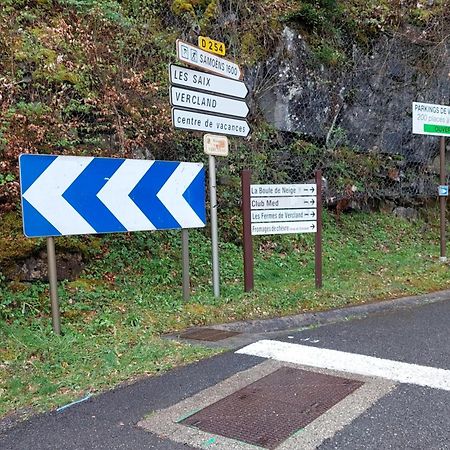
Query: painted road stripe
(351,363)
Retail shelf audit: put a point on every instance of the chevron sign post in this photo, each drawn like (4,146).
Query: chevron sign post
(67,195)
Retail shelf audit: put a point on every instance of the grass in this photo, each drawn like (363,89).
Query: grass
(130,294)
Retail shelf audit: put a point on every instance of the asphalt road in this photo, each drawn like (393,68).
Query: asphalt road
(408,416)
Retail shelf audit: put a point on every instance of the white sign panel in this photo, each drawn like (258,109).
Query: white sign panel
(194,79)
(283,228)
(190,120)
(431,119)
(283,215)
(195,56)
(207,102)
(281,190)
(282,202)
(215,145)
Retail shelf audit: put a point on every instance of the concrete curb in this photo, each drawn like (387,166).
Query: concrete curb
(335,315)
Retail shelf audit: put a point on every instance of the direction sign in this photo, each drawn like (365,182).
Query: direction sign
(283,202)
(190,54)
(280,190)
(283,215)
(210,45)
(207,102)
(190,120)
(195,79)
(215,145)
(283,228)
(66,195)
(431,119)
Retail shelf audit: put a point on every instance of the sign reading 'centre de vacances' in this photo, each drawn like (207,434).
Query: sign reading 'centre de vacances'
(67,195)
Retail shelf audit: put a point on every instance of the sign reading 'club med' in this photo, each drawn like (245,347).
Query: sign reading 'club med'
(283,208)
(67,195)
(431,119)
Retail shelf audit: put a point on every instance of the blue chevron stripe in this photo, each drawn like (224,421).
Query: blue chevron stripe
(35,166)
(144,194)
(82,195)
(195,195)
(35,224)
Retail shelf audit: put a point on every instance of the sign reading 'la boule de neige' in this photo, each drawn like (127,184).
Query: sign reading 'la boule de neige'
(283,208)
(431,119)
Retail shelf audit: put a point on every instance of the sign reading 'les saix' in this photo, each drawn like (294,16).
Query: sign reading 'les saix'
(67,195)
(182,76)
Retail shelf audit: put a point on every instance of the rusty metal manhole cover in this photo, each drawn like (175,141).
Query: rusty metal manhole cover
(208,334)
(268,411)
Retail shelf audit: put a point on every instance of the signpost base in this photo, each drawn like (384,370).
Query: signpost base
(53,281)
(185,257)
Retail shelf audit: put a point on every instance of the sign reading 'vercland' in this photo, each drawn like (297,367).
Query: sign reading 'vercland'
(67,195)
(187,98)
(283,208)
(431,119)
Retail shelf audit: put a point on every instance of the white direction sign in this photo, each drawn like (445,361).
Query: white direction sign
(190,120)
(281,190)
(431,119)
(283,228)
(282,202)
(195,56)
(194,79)
(283,215)
(207,102)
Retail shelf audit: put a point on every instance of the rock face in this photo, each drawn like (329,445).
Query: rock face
(34,268)
(364,101)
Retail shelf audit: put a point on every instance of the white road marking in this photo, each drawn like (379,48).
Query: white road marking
(350,362)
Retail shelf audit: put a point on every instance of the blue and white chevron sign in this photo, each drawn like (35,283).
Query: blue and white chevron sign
(66,195)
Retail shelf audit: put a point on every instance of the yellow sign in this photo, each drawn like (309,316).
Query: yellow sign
(211,45)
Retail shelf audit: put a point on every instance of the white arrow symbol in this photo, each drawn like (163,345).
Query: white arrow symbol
(115,195)
(45,195)
(171,195)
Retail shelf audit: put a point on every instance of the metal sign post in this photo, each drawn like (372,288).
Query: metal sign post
(434,120)
(53,281)
(214,227)
(185,259)
(318,243)
(442,200)
(68,195)
(246,177)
